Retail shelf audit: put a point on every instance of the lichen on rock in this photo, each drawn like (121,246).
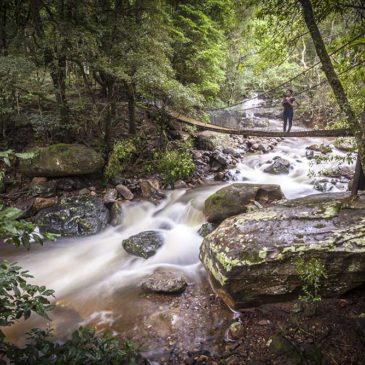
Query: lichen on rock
(251,257)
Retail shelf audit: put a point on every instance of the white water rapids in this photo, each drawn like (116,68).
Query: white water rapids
(97,282)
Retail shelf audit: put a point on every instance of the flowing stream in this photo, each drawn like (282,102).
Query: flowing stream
(97,282)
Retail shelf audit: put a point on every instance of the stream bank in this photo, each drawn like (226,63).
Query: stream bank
(97,282)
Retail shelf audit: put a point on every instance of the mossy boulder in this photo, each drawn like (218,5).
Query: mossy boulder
(252,258)
(62,160)
(74,216)
(144,244)
(239,198)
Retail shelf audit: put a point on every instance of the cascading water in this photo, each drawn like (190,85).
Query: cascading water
(96,281)
(89,274)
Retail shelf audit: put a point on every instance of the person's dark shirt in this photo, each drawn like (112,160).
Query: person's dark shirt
(288,104)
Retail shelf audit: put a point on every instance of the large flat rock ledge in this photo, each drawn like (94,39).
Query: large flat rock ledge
(251,258)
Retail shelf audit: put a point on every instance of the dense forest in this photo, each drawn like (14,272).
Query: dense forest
(126,124)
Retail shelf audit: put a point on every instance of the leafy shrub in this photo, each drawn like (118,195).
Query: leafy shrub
(121,155)
(19,298)
(175,164)
(84,347)
(311,272)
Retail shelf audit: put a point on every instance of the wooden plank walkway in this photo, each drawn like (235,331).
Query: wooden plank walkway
(259,133)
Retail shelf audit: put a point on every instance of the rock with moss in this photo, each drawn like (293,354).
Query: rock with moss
(164,282)
(74,216)
(252,258)
(144,244)
(239,198)
(210,141)
(62,160)
(322,148)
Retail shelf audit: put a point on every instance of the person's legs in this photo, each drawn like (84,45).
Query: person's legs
(290,118)
(285,119)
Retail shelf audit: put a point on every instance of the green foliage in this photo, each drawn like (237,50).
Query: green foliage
(13,70)
(18,299)
(19,232)
(85,347)
(121,156)
(311,272)
(176,163)
(6,156)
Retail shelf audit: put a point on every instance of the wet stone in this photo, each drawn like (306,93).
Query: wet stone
(164,282)
(144,244)
(124,192)
(279,166)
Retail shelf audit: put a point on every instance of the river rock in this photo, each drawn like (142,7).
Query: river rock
(144,244)
(42,203)
(74,216)
(39,180)
(251,258)
(26,206)
(180,184)
(219,161)
(62,160)
(279,166)
(309,154)
(110,196)
(69,184)
(116,214)
(239,198)
(151,189)
(124,192)
(323,148)
(210,141)
(236,330)
(164,282)
(323,185)
(206,228)
(44,189)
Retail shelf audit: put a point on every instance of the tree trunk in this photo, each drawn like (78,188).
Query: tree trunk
(131,109)
(358,130)
(110,116)
(58,74)
(358,182)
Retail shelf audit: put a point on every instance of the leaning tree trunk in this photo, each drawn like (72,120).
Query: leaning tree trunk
(335,83)
(358,182)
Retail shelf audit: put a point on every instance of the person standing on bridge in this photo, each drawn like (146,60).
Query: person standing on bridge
(288,114)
